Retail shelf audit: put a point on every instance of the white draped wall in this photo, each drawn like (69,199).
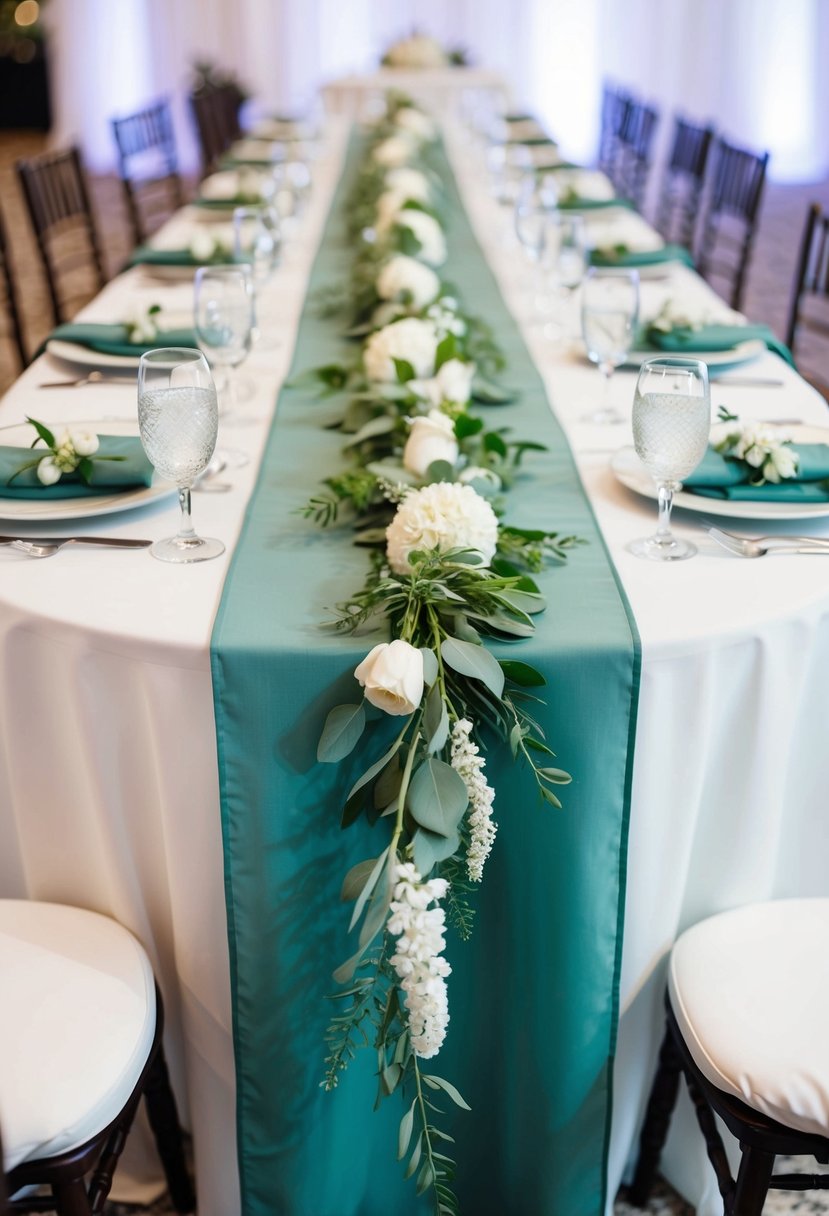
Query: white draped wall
(752,66)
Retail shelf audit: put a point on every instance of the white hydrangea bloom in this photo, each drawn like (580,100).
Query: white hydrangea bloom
(443,516)
(428,232)
(403,278)
(389,206)
(469,764)
(411,339)
(422,971)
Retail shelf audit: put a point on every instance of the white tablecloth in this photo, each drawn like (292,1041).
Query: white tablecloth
(108,787)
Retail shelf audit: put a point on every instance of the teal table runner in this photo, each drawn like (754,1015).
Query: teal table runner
(534,995)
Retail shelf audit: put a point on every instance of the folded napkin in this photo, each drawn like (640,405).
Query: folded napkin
(114,340)
(683,341)
(642,257)
(144,255)
(595,204)
(108,476)
(718,476)
(234,200)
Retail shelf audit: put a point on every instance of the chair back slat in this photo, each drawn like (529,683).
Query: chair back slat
(634,150)
(54,189)
(216,113)
(148,165)
(811,287)
(733,202)
(9,291)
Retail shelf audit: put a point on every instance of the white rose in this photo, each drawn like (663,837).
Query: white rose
(488,478)
(395,151)
(84,442)
(389,205)
(411,339)
(415,123)
(403,278)
(428,232)
(452,383)
(443,516)
(392,675)
(410,183)
(48,472)
(431,438)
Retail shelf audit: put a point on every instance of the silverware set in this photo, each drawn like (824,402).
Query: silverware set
(42,546)
(760,546)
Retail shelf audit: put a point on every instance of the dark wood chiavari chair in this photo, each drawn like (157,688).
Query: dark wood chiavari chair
(635,149)
(615,106)
(9,292)
(810,292)
(216,113)
(682,182)
(148,165)
(57,200)
(730,216)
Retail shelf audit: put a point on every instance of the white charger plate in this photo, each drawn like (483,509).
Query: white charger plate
(53,509)
(82,356)
(629,470)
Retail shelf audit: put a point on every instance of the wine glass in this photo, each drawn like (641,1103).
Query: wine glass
(532,218)
(609,314)
(566,258)
(224,319)
(671,421)
(257,237)
(178,421)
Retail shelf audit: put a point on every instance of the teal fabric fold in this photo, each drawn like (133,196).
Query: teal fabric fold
(595,204)
(144,255)
(644,257)
(131,469)
(534,994)
(114,339)
(716,338)
(717,476)
(227,204)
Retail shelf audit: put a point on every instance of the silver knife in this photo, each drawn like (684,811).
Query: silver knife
(115,542)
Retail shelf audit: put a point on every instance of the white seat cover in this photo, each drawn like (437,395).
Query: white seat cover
(750,990)
(77,1018)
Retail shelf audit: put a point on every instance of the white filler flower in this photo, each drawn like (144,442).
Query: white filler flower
(428,232)
(417,960)
(392,675)
(408,280)
(409,183)
(411,339)
(395,151)
(432,437)
(416,51)
(415,123)
(441,516)
(469,764)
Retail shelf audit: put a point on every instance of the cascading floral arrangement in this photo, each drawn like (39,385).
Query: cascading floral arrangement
(425,486)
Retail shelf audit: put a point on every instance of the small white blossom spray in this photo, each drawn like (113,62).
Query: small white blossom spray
(469,764)
(417,959)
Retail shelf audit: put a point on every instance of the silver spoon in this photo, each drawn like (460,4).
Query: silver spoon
(91,378)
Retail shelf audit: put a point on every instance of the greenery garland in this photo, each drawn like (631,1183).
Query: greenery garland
(426,489)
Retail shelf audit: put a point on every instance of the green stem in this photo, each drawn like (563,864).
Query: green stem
(404,784)
(427,1140)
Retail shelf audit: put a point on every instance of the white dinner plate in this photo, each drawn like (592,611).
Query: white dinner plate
(53,509)
(82,356)
(743,352)
(630,471)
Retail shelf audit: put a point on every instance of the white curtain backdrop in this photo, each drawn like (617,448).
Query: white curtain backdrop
(751,66)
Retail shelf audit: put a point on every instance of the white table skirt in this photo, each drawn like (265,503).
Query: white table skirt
(108,787)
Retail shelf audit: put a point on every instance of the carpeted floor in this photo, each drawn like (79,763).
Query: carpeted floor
(767,299)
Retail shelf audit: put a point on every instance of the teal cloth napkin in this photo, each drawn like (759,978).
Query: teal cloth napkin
(113,340)
(595,204)
(146,256)
(644,257)
(717,476)
(233,200)
(108,476)
(715,338)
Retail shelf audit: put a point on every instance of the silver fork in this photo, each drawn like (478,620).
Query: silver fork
(48,548)
(759,546)
(91,378)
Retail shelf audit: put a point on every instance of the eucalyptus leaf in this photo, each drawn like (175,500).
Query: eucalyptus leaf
(447,349)
(473,661)
(374,427)
(448,1088)
(529,602)
(489,393)
(355,879)
(425,1178)
(395,473)
(374,769)
(430,665)
(368,888)
(405,1133)
(415,1158)
(404,370)
(428,848)
(437,797)
(435,720)
(556,776)
(377,914)
(343,728)
(439,470)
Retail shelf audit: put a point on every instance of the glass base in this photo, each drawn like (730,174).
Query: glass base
(187,549)
(662,549)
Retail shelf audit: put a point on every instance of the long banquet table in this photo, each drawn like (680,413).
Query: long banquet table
(108,780)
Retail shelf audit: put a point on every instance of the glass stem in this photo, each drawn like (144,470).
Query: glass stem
(185,531)
(607,372)
(665,493)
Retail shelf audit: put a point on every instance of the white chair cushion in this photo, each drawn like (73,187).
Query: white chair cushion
(77,1019)
(750,991)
